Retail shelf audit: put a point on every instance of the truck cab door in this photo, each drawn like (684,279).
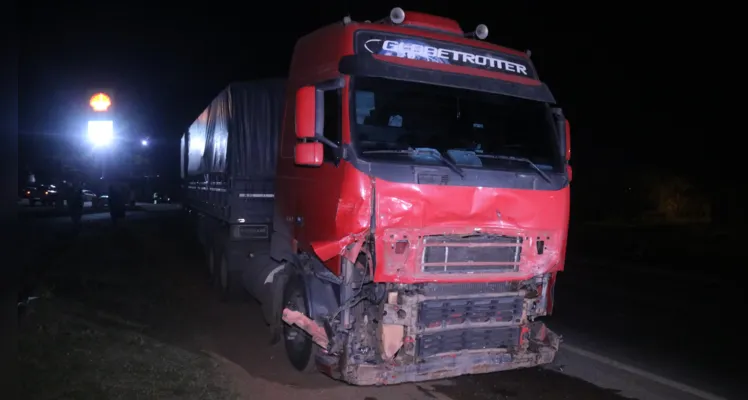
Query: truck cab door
(316,208)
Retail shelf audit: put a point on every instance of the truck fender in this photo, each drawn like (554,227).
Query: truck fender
(321,286)
(271,276)
(267,286)
(322,301)
(264,279)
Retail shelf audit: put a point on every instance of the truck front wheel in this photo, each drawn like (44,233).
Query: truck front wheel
(299,346)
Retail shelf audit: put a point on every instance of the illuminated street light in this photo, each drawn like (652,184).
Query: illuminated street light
(101,133)
(144,142)
(100,102)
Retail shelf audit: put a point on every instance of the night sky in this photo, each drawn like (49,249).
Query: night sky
(630,77)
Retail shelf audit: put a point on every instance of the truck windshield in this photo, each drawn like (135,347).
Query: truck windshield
(473,129)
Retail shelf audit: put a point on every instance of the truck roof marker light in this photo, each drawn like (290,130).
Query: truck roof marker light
(481,32)
(397,15)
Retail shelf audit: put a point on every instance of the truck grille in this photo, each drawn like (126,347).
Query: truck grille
(456,289)
(447,313)
(457,254)
(467,339)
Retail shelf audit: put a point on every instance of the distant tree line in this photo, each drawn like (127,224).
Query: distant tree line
(653,195)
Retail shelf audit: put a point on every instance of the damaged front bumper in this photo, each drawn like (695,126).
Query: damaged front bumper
(437,331)
(542,347)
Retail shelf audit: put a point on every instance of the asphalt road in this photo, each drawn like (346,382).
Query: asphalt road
(26,212)
(648,335)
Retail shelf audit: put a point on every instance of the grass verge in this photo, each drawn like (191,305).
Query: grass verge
(65,355)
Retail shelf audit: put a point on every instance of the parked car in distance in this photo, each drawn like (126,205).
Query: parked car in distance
(45,195)
(89,196)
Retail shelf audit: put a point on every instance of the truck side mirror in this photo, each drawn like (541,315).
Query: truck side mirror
(306,112)
(563,132)
(308,154)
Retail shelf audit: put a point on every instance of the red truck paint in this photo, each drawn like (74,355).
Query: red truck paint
(408,270)
(344,209)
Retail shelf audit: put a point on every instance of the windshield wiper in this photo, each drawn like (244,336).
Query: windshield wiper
(519,159)
(422,150)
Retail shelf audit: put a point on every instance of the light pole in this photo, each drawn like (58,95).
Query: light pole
(101,126)
(101,135)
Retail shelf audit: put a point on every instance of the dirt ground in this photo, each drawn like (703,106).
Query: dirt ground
(136,302)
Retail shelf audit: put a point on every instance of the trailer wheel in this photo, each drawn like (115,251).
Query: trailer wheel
(299,346)
(228,282)
(211,263)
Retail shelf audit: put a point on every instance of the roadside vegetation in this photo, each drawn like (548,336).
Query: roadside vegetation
(65,352)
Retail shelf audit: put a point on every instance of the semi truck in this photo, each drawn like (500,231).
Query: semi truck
(398,205)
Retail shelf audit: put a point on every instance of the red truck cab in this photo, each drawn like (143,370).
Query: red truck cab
(421,204)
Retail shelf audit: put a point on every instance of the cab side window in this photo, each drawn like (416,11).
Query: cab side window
(332,126)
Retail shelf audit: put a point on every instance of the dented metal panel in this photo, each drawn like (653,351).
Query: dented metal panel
(542,345)
(407,216)
(431,344)
(318,334)
(416,213)
(425,334)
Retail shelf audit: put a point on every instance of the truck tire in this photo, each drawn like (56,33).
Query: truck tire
(299,346)
(211,263)
(228,282)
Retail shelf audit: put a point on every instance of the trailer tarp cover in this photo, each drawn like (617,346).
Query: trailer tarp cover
(239,131)
(182,154)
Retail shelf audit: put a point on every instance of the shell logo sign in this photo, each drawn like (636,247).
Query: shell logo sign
(100,102)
